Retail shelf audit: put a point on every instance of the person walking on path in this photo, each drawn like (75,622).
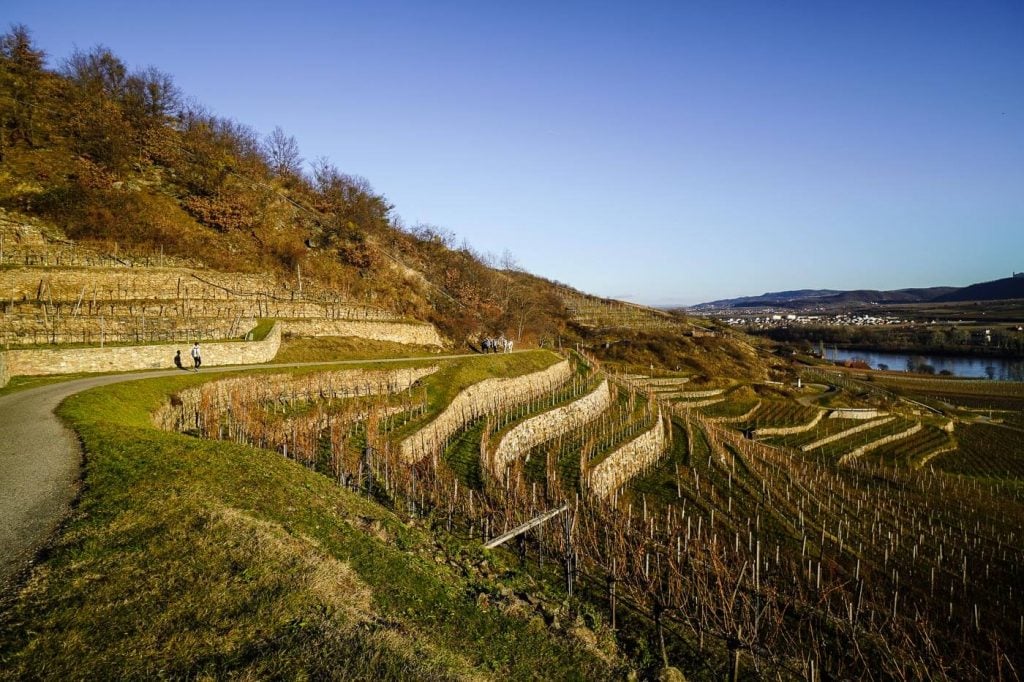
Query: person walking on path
(177,360)
(197,359)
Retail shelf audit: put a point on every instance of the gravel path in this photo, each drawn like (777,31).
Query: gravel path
(40,458)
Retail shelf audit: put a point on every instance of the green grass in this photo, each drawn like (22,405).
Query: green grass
(326,348)
(20,383)
(191,558)
(457,375)
(262,328)
(463,456)
(729,408)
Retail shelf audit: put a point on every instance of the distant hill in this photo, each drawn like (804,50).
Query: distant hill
(770,298)
(996,290)
(1000,289)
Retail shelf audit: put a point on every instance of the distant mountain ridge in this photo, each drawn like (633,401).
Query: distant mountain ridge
(1000,289)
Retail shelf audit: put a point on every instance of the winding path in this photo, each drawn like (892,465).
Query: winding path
(41,458)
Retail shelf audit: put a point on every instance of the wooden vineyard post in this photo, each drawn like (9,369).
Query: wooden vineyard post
(611,594)
(567,524)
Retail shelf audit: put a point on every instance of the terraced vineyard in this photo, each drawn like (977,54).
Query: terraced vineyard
(837,450)
(779,414)
(823,429)
(985,450)
(915,450)
(730,408)
(844,553)
(556,465)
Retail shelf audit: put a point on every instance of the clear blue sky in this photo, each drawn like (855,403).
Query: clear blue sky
(660,152)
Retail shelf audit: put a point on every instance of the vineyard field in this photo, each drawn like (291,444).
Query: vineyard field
(985,450)
(824,428)
(729,408)
(835,450)
(911,450)
(779,413)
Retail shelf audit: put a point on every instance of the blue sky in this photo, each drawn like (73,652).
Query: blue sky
(661,152)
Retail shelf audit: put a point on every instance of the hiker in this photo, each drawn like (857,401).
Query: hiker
(177,359)
(197,360)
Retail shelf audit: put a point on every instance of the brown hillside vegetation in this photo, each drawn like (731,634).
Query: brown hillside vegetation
(120,161)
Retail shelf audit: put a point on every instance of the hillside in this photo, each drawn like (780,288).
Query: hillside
(824,298)
(119,161)
(187,558)
(626,491)
(996,290)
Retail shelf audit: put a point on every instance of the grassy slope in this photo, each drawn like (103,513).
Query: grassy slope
(192,558)
(326,348)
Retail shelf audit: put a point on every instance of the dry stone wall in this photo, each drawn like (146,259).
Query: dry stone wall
(856,413)
(485,397)
(684,406)
(864,449)
(544,427)
(183,410)
(127,358)
(631,460)
(414,333)
(697,394)
(788,430)
(848,432)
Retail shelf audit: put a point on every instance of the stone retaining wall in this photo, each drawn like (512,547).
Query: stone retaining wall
(666,381)
(856,413)
(544,427)
(848,432)
(787,430)
(629,461)
(923,462)
(864,449)
(183,409)
(691,404)
(698,394)
(67,284)
(127,358)
(485,397)
(415,333)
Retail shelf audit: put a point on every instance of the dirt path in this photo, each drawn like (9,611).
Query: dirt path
(40,458)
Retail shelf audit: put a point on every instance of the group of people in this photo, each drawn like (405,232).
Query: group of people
(498,345)
(197,358)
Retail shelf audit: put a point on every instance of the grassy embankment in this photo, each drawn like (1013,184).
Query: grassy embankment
(327,348)
(191,558)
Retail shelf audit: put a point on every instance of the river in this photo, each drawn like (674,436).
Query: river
(998,369)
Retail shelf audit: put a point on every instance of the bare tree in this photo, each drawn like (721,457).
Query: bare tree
(282,153)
